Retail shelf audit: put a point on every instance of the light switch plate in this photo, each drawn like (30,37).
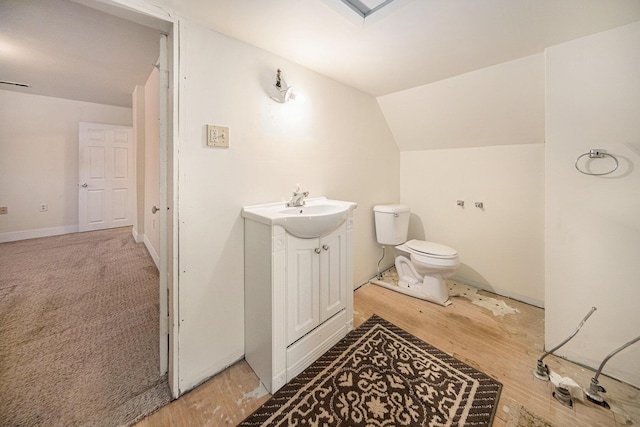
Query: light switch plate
(218,136)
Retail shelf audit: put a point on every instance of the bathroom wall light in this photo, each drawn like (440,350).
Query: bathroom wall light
(285,92)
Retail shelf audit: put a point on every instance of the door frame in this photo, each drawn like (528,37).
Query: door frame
(158,18)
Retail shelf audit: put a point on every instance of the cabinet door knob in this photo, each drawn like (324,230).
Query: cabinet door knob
(325,247)
(317,250)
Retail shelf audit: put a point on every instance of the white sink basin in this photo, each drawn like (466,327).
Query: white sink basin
(318,217)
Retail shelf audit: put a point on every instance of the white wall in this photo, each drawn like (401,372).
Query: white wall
(593,223)
(336,143)
(138,111)
(146,119)
(496,118)
(501,246)
(152,164)
(39,161)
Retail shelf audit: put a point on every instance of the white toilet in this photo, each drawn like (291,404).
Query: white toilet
(422,266)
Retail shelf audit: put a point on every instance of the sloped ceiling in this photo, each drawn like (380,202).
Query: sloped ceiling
(68,50)
(421,42)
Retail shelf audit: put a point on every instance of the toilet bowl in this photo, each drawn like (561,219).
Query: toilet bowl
(422,266)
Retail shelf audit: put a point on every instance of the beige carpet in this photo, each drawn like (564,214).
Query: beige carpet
(380,375)
(79,331)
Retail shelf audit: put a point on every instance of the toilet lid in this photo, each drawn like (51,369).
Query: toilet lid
(431,248)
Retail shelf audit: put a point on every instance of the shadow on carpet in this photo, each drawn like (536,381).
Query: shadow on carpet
(79,317)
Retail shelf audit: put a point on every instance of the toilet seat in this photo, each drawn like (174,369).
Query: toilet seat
(430,249)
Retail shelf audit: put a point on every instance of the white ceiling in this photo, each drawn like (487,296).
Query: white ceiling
(421,42)
(67,50)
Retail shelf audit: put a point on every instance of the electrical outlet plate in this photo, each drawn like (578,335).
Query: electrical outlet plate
(218,136)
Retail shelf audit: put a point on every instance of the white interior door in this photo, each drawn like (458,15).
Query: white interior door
(106,189)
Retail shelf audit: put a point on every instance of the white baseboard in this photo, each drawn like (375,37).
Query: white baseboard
(152,251)
(500,291)
(139,238)
(358,285)
(142,238)
(13,236)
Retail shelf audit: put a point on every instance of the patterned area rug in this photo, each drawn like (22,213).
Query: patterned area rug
(380,375)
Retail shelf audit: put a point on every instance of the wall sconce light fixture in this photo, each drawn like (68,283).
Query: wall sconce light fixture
(285,92)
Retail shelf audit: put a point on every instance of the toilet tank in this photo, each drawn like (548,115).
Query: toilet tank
(392,224)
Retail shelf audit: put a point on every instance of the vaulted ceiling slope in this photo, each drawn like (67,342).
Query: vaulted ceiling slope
(68,50)
(421,42)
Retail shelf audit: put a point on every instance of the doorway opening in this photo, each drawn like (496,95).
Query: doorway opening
(165,212)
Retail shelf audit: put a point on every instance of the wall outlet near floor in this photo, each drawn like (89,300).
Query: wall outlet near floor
(44,207)
(4,210)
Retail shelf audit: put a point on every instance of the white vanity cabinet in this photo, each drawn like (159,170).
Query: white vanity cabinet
(316,281)
(298,296)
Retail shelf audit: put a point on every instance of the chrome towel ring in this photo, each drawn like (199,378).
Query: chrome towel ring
(596,154)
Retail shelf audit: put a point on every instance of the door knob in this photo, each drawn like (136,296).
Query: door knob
(154,209)
(317,250)
(325,247)
(84,185)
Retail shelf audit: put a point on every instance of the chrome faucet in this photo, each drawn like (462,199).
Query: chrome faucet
(298,197)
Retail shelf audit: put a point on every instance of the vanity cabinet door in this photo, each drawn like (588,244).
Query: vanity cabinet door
(333,273)
(303,286)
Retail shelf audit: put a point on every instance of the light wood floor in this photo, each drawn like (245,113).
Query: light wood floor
(505,347)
